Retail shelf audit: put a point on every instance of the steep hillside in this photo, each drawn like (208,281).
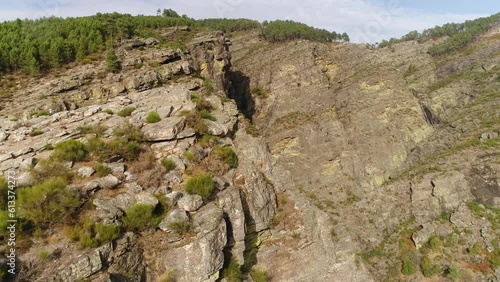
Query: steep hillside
(389,143)
(232,158)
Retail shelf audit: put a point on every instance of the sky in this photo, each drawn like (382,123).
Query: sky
(367,21)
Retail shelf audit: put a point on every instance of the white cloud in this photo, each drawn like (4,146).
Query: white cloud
(364,20)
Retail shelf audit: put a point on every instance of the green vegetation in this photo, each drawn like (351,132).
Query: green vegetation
(207,115)
(92,235)
(492,143)
(230,25)
(279,31)
(112,63)
(128,131)
(48,203)
(139,217)
(459,35)
(33,46)
(202,185)
(492,214)
(189,156)
(168,164)
(108,111)
(153,117)
(96,129)
(208,140)
(232,271)
(118,147)
(102,170)
(70,150)
(408,268)
(43,254)
(412,69)
(36,132)
(429,270)
(227,155)
(258,275)
(127,111)
(52,168)
(258,91)
(181,228)
(39,113)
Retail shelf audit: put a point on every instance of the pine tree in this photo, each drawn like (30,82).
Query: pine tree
(112,63)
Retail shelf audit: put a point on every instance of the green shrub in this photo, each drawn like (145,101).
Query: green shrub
(52,168)
(195,121)
(128,131)
(195,97)
(208,140)
(48,203)
(92,235)
(43,254)
(408,268)
(189,156)
(70,150)
(118,147)
(127,111)
(202,185)
(207,115)
(168,164)
(36,132)
(138,217)
(232,272)
(453,273)
(96,129)
(108,111)
(138,66)
(48,147)
(4,217)
(38,113)
(207,83)
(411,70)
(258,275)
(102,170)
(181,228)
(227,155)
(258,91)
(153,117)
(428,270)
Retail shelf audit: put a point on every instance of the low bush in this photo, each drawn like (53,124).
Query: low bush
(232,271)
(118,147)
(227,155)
(258,275)
(207,115)
(52,168)
(108,111)
(38,113)
(102,170)
(70,150)
(428,270)
(48,203)
(181,228)
(128,131)
(96,129)
(92,235)
(408,268)
(195,121)
(189,156)
(168,164)
(36,132)
(202,185)
(127,111)
(138,217)
(208,141)
(43,254)
(153,117)
(207,83)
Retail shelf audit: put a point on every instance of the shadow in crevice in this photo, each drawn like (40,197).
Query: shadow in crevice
(239,91)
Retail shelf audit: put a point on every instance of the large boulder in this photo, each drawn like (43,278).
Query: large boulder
(142,81)
(173,217)
(230,202)
(190,203)
(165,130)
(203,257)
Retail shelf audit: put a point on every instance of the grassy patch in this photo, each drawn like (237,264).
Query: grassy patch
(96,129)
(70,150)
(36,132)
(108,111)
(118,147)
(207,115)
(39,113)
(202,185)
(153,117)
(227,155)
(138,217)
(102,170)
(412,69)
(92,235)
(127,111)
(128,131)
(232,271)
(168,164)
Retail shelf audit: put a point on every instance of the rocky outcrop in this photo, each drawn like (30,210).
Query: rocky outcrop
(201,259)
(165,130)
(230,202)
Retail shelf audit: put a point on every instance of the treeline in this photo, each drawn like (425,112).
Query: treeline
(36,45)
(459,35)
(229,25)
(278,31)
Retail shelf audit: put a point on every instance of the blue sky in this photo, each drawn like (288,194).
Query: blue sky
(364,20)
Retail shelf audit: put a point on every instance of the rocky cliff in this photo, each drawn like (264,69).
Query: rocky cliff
(326,162)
